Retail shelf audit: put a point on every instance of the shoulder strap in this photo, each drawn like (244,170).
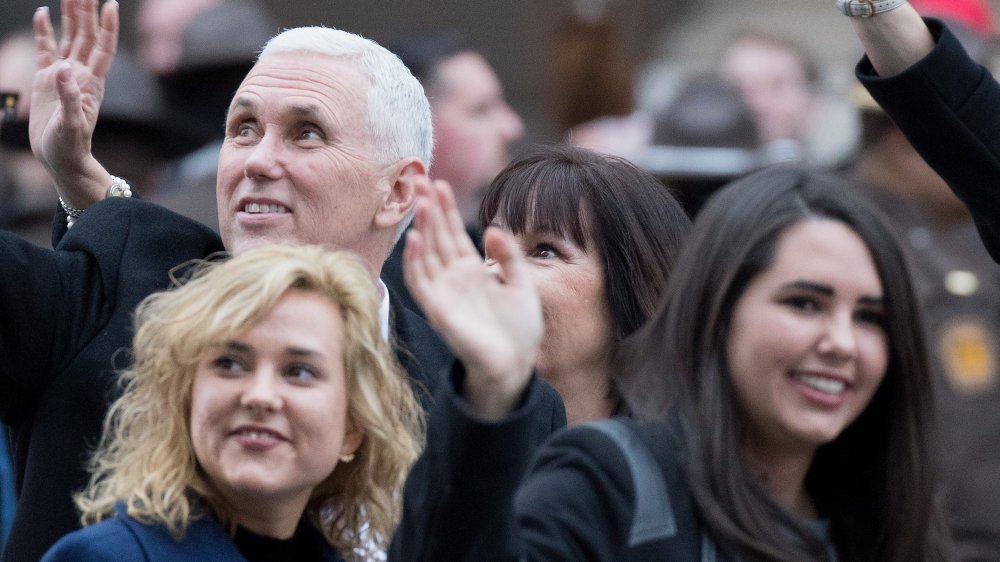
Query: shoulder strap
(654,518)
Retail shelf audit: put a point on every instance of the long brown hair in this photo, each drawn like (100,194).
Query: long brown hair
(874,481)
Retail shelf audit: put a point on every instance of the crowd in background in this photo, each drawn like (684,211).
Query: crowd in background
(766,103)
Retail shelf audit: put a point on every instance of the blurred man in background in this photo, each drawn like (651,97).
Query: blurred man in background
(474,128)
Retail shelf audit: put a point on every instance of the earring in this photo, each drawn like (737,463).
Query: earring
(347,458)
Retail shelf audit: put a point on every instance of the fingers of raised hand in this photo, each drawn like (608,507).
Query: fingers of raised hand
(427,252)
(85,30)
(68,17)
(414,268)
(440,238)
(503,250)
(88,37)
(45,37)
(69,95)
(103,54)
(453,218)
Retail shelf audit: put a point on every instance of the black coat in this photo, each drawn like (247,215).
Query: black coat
(949,108)
(65,316)
(476,494)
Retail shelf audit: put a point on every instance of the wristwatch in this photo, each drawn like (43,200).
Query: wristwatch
(867,8)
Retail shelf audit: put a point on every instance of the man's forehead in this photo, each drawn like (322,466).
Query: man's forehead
(339,67)
(305,87)
(293,108)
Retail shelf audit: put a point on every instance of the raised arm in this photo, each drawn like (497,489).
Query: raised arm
(490,318)
(67,94)
(894,40)
(947,106)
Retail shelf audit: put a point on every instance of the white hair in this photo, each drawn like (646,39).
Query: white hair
(399,115)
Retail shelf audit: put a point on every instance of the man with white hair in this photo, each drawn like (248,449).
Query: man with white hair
(326,141)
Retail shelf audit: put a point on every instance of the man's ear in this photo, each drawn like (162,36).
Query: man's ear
(400,191)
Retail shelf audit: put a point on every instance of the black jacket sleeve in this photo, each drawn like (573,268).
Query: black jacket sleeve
(459,503)
(949,108)
(51,300)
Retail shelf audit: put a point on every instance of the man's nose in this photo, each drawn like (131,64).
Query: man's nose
(264,160)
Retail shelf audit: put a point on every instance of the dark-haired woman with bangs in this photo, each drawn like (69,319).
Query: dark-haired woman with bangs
(599,238)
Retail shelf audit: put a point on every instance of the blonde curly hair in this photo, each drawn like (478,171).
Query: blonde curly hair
(146,459)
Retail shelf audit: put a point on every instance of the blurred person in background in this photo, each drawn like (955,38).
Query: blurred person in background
(474,128)
(706,137)
(780,81)
(28,193)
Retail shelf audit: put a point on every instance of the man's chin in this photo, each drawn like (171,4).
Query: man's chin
(241,244)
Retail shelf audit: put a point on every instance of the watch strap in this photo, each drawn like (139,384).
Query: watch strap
(867,8)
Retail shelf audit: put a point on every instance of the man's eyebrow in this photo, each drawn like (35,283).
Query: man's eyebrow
(243,103)
(309,112)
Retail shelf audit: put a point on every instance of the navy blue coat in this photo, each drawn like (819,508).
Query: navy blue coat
(124,538)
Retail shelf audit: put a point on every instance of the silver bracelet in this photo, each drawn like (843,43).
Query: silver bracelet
(119,188)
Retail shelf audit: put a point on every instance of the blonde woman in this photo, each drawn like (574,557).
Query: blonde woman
(263,417)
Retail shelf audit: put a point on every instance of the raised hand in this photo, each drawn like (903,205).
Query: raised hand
(67,94)
(491,319)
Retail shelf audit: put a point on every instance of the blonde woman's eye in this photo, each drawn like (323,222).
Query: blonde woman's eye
(301,373)
(228,365)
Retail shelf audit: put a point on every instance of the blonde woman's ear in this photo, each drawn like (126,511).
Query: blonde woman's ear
(353,438)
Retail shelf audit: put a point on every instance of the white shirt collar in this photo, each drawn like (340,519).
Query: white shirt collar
(383,309)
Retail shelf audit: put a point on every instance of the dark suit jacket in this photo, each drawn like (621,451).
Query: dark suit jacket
(419,349)
(949,108)
(66,328)
(65,316)
(122,538)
